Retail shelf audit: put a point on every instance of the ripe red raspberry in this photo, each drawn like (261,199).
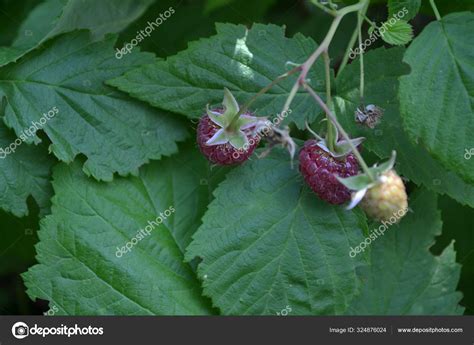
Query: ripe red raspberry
(318,168)
(225,136)
(223,154)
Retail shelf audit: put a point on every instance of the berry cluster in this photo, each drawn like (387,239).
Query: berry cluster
(228,136)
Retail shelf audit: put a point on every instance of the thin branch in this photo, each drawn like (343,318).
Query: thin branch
(330,132)
(361,58)
(368,20)
(322,47)
(268,87)
(435,10)
(290,97)
(327,69)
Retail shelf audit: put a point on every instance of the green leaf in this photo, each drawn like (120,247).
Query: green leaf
(406,9)
(115,133)
(363,180)
(405,278)
(54,17)
(78,269)
(267,242)
(242,60)
(398,33)
(357,182)
(24,172)
(381,88)
(437,97)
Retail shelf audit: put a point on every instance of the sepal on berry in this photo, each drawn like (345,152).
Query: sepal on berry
(336,147)
(342,147)
(231,123)
(365,181)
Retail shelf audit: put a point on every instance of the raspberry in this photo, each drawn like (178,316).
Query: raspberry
(319,168)
(223,154)
(386,199)
(225,136)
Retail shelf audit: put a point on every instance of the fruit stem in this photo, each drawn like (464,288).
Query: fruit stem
(435,10)
(331,133)
(361,58)
(266,88)
(291,95)
(327,68)
(316,135)
(324,46)
(372,24)
(341,130)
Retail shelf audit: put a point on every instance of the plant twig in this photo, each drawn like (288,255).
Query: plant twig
(330,131)
(244,108)
(368,20)
(305,67)
(361,58)
(435,10)
(327,68)
(290,97)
